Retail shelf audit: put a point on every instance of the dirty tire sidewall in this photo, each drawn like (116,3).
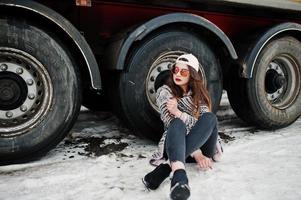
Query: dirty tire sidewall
(19,34)
(141,116)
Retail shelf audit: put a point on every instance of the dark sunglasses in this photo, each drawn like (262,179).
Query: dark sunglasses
(183,72)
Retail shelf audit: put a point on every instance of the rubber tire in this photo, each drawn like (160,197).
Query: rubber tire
(247,96)
(237,95)
(20,34)
(131,87)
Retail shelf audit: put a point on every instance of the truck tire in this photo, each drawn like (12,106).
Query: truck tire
(39,91)
(237,95)
(147,69)
(272,97)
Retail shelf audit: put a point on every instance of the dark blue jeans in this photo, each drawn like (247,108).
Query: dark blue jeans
(203,135)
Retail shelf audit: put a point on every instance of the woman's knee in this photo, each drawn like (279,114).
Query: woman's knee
(209,117)
(177,125)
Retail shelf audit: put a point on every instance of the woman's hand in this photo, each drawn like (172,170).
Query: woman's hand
(172,107)
(203,162)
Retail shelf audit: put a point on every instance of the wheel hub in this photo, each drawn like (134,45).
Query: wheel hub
(282,81)
(279,81)
(274,81)
(13,91)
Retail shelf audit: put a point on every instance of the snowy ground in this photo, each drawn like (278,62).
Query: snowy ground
(99,160)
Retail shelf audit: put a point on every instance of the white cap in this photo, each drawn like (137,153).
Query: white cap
(190,60)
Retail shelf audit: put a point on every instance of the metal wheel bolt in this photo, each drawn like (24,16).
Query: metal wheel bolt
(29,82)
(31,96)
(3,67)
(19,71)
(23,108)
(152,78)
(159,69)
(152,91)
(9,114)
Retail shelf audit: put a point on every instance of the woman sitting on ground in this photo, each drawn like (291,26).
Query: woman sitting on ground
(191,127)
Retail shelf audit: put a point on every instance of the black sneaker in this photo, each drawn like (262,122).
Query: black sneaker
(179,186)
(153,179)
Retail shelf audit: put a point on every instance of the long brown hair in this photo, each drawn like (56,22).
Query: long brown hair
(196,85)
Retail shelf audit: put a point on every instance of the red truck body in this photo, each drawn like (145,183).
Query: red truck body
(103,19)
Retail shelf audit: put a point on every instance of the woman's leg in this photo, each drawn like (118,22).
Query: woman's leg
(209,148)
(175,149)
(203,135)
(175,144)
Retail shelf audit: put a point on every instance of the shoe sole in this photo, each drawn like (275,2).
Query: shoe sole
(180,192)
(146,185)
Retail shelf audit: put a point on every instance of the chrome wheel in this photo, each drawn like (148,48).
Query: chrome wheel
(282,81)
(25,92)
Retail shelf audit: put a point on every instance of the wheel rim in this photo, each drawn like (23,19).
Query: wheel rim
(282,81)
(159,71)
(25,90)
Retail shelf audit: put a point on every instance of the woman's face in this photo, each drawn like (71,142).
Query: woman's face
(181,75)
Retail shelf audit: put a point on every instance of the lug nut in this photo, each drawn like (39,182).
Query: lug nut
(152,91)
(23,108)
(159,69)
(152,78)
(31,96)
(3,67)
(9,114)
(29,82)
(19,71)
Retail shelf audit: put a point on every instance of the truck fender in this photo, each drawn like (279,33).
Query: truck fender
(248,61)
(117,60)
(60,22)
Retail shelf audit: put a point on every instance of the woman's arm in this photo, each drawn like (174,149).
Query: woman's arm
(162,96)
(189,119)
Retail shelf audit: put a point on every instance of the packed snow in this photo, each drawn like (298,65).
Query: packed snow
(100,159)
